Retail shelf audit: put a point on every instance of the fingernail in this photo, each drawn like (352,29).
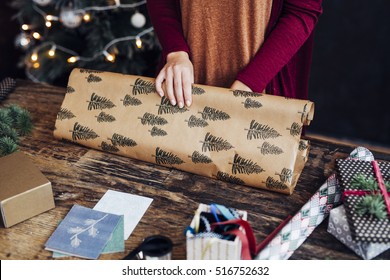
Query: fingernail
(173,102)
(188,102)
(181,104)
(161,93)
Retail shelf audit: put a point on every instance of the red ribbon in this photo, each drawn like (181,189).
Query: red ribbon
(381,185)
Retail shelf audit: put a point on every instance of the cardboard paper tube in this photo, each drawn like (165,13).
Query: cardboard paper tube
(236,136)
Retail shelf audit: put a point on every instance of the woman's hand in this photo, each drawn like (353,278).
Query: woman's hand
(178,74)
(240,86)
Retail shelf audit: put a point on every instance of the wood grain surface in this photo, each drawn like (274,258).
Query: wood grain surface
(81,176)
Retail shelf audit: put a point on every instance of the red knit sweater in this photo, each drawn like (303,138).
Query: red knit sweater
(281,66)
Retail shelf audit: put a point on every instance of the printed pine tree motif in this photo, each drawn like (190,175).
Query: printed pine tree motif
(273,184)
(257,130)
(242,93)
(163,157)
(295,129)
(196,122)
(303,113)
(157,132)
(104,117)
(70,89)
(213,143)
(302,145)
(65,114)
(99,102)
(122,141)
(229,178)
(250,103)
(93,78)
(285,175)
(199,158)
(150,119)
(108,147)
(269,149)
(75,241)
(241,165)
(166,107)
(80,132)
(213,114)
(88,71)
(131,101)
(197,90)
(143,87)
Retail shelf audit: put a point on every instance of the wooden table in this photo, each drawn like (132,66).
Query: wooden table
(81,176)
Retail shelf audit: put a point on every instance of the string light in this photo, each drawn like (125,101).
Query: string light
(73,59)
(52,51)
(51,18)
(25,27)
(36,65)
(36,35)
(138,42)
(86,17)
(109,56)
(48,24)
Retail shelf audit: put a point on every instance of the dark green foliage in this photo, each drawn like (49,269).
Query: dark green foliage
(197,90)
(143,87)
(131,101)
(213,114)
(65,114)
(213,143)
(104,117)
(70,89)
(93,78)
(302,145)
(273,184)
(247,166)
(163,157)
(120,140)
(14,122)
(267,148)
(196,122)
(7,146)
(250,103)
(82,132)
(285,175)
(108,148)
(241,93)
(99,102)
(166,107)
(229,178)
(157,132)
(150,119)
(257,130)
(199,158)
(295,129)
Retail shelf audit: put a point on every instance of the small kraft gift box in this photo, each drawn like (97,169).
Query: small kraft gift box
(24,191)
(207,243)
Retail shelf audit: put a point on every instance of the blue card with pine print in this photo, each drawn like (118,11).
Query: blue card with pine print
(85,233)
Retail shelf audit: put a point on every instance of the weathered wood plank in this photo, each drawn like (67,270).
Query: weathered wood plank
(81,176)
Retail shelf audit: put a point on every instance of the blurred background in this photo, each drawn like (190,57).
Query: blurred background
(43,40)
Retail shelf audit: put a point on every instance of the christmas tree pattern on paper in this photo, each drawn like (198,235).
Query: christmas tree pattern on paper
(257,130)
(269,149)
(80,132)
(242,93)
(273,184)
(212,143)
(89,71)
(131,101)
(99,102)
(197,90)
(197,157)
(164,157)
(70,89)
(65,114)
(143,87)
(122,141)
(302,145)
(252,104)
(104,117)
(157,132)
(303,113)
(108,147)
(229,178)
(245,166)
(166,107)
(285,175)
(196,122)
(151,119)
(213,114)
(93,78)
(295,129)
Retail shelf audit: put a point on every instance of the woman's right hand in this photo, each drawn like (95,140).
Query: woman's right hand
(178,74)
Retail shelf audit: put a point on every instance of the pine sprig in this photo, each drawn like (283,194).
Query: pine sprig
(246,166)
(164,157)
(257,130)
(143,87)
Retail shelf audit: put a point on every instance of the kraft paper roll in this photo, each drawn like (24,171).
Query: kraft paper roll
(236,136)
